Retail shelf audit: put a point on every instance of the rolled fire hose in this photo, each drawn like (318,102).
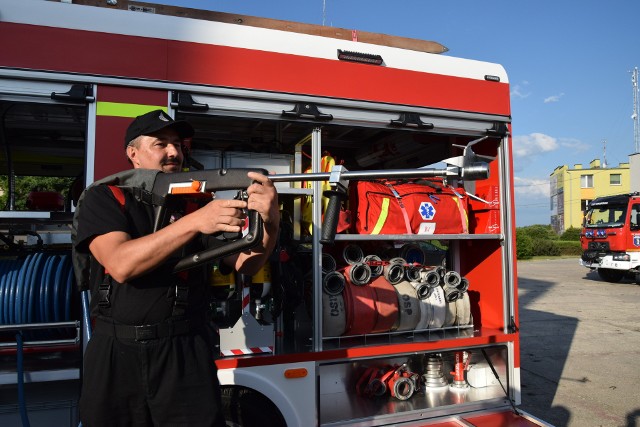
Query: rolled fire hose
(425,314)
(412,273)
(441,272)
(394,272)
(328,263)
(422,290)
(463,310)
(378,268)
(430,276)
(386,305)
(358,273)
(352,254)
(450,316)
(334,318)
(333,283)
(464,284)
(408,307)
(439,306)
(452,280)
(360,307)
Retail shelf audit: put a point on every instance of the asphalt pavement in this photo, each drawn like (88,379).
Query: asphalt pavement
(580,345)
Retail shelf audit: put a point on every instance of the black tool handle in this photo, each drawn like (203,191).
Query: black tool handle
(252,239)
(213,180)
(331,216)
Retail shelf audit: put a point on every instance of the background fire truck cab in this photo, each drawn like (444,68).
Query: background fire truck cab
(610,237)
(72,77)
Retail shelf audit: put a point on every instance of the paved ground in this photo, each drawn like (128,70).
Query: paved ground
(580,346)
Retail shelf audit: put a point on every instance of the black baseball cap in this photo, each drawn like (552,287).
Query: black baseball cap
(153,121)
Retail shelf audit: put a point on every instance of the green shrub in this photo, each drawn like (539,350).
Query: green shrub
(545,247)
(543,232)
(572,234)
(524,245)
(569,247)
(541,240)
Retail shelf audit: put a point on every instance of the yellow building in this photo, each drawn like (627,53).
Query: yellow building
(573,188)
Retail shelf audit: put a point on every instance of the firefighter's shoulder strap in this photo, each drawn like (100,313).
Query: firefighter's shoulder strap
(104,288)
(140,183)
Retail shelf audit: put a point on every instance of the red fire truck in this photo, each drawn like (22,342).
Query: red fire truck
(611,237)
(406,316)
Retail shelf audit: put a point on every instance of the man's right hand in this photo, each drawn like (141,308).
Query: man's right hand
(227,216)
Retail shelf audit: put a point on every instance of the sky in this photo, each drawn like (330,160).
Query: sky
(569,65)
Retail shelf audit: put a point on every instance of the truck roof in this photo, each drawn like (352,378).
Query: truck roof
(427,46)
(615,199)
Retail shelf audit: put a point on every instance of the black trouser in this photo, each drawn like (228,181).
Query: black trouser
(168,381)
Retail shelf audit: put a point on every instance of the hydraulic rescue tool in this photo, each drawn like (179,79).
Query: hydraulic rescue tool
(172,189)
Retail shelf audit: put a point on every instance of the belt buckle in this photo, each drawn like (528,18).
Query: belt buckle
(145,332)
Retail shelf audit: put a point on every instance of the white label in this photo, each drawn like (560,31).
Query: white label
(427,228)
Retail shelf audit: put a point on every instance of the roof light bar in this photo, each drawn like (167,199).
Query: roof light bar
(365,58)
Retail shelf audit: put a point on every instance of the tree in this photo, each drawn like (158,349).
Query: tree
(25,184)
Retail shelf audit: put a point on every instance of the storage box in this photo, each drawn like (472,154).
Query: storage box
(274,163)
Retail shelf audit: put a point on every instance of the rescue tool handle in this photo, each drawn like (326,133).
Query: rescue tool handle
(210,181)
(331,216)
(253,237)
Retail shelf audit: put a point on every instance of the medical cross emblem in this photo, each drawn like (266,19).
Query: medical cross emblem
(427,211)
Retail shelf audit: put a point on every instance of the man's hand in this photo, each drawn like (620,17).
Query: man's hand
(221,216)
(263,198)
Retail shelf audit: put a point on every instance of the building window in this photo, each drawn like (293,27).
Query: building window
(584,204)
(586,181)
(615,179)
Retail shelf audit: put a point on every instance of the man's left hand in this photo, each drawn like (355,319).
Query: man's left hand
(263,198)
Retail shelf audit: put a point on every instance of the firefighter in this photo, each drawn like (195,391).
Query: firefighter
(150,359)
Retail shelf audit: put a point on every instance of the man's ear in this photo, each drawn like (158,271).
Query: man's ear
(132,154)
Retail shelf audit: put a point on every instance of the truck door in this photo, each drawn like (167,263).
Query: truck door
(44,129)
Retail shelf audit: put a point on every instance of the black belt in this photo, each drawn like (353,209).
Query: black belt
(168,328)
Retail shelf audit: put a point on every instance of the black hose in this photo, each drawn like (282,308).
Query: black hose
(20,368)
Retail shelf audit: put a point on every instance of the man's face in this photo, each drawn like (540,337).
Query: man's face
(161,150)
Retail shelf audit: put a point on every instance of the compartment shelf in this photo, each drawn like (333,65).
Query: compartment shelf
(399,337)
(417,237)
(365,391)
(338,408)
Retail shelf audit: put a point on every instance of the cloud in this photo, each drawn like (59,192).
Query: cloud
(574,145)
(553,98)
(534,143)
(517,91)
(531,187)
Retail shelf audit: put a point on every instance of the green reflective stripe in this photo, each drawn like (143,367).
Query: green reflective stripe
(119,109)
(384,213)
